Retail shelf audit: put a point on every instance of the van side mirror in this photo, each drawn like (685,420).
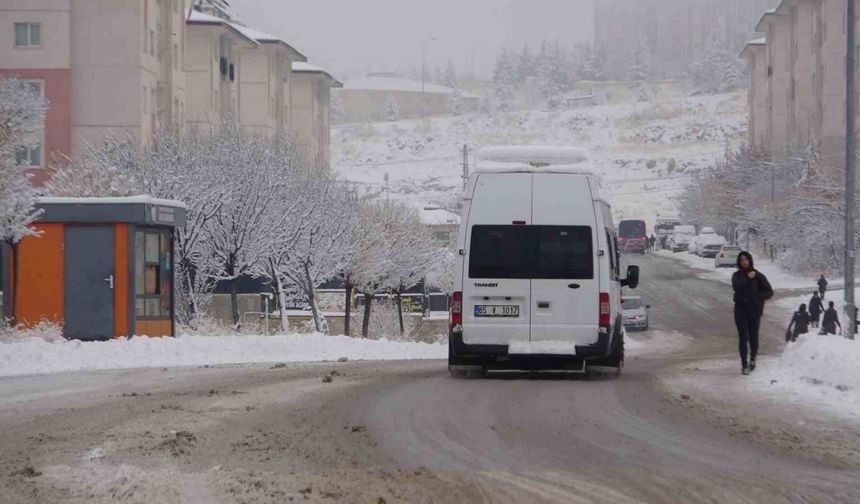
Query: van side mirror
(632,279)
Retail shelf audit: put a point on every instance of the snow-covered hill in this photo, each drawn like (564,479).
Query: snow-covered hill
(646,151)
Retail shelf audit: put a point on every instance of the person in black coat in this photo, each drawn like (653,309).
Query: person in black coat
(822,286)
(799,324)
(751,290)
(815,309)
(831,320)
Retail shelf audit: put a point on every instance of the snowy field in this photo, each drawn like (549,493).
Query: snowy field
(38,356)
(645,151)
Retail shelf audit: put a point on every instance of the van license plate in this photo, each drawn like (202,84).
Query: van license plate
(497,311)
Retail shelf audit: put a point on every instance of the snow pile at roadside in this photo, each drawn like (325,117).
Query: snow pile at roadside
(817,371)
(37,356)
(779,279)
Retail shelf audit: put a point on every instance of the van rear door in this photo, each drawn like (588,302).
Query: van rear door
(566,285)
(496,285)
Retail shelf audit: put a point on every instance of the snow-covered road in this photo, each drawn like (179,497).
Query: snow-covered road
(406,431)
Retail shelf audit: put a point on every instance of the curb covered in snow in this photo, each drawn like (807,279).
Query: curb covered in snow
(37,356)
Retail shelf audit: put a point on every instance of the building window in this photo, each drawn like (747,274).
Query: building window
(152,42)
(153,274)
(145,99)
(28,35)
(29,155)
(175,56)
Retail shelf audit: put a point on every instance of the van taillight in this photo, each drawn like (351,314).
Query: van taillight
(605,309)
(457,309)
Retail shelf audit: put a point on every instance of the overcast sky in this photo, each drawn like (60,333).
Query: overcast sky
(355,36)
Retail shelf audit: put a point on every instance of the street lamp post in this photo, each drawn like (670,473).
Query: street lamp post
(850,175)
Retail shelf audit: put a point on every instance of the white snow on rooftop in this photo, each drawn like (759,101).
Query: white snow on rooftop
(117,200)
(201,17)
(255,34)
(301,66)
(758,41)
(392,83)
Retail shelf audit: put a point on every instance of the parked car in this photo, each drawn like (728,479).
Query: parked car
(709,245)
(681,238)
(531,291)
(727,257)
(635,313)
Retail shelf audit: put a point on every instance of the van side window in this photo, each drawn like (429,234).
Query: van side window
(614,258)
(617,256)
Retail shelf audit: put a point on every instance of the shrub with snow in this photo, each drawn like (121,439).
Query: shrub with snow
(44,330)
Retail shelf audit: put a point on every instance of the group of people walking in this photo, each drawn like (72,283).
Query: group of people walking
(752,290)
(803,319)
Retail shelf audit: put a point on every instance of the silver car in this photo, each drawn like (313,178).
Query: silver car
(635,313)
(727,257)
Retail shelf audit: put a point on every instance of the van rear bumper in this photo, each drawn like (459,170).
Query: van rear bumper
(462,354)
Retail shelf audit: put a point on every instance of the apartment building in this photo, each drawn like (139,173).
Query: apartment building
(311,104)
(133,67)
(800,76)
(127,79)
(238,73)
(673,32)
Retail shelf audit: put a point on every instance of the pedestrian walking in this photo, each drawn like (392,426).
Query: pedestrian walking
(653,242)
(799,324)
(831,320)
(822,286)
(815,309)
(751,291)
(663,242)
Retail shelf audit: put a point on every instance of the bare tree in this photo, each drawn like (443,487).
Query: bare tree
(22,112)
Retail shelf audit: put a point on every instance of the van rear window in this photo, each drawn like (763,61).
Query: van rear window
(523,252)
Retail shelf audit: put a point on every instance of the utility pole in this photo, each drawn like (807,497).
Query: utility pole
(465,166)
(850,176)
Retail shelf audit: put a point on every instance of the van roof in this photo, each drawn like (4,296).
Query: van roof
(534,153)
(534,159)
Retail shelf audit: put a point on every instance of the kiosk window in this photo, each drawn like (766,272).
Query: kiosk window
(153,270)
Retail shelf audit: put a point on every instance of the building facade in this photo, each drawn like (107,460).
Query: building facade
(311,112)
(803,82)
(674,33)
(128,80)
(134,67)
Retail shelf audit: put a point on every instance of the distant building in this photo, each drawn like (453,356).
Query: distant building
(755,54)
(674,33)
(368,98)
(103,65)
(799,75)
(133,67)
(311,104)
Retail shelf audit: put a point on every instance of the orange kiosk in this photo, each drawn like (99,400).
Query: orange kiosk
(102,267)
